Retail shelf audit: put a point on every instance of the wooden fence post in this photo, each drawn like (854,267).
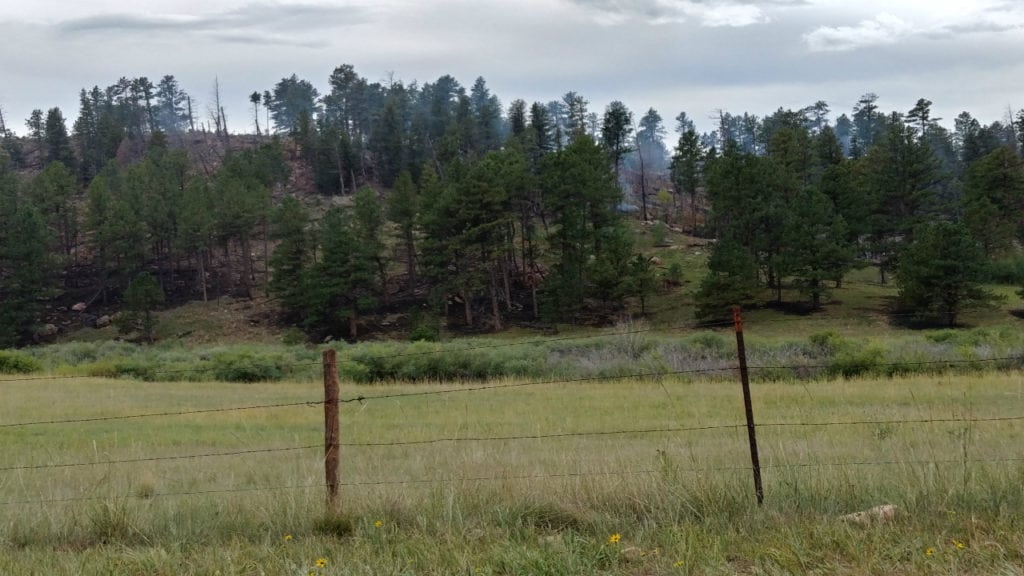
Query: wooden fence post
(331,429)
(741,351)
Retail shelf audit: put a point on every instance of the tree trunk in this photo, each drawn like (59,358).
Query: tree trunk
(202,273)
(467,308)
(353,325)
(410,258)
(693,212)
(507,284)
(246,266)
(495,311)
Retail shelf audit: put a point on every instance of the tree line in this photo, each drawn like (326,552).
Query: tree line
(460,208)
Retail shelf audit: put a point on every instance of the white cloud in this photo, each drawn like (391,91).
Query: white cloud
(709,13)
(726,14)
(884,29)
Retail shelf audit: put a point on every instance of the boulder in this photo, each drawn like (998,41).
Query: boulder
(79,307)
(878,514)
(103,321)
(45,332)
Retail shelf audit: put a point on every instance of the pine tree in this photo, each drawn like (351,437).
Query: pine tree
(686,170)
(940,274)
(58,143)
(292,255)
(26,265)
(615,131)
(994,200)
(402,209)
(141,299)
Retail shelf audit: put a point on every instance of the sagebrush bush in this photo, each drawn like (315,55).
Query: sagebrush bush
(866,361)
(129,368)
(246,366)
(18,363)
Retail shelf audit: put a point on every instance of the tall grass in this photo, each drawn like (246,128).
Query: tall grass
(616,353)
(681,502)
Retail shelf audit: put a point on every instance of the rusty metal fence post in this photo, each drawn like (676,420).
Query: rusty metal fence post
(331,428)
(741,351)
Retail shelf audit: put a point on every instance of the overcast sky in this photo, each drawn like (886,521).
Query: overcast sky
(673,55)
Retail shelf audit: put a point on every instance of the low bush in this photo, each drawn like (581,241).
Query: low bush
(122,368)
(867,361)
(246,366)
(18,363)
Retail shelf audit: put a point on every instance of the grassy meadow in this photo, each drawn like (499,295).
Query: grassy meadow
(619,476)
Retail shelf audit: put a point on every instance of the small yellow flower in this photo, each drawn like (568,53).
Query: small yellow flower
(287,537)
(378,523)
(321,562)
(614,538)
(929,551)
(959,545)
(678,563)
(656,551)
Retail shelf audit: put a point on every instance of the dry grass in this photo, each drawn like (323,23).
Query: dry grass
(681,501)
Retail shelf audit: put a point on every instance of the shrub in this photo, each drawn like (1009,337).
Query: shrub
(674,274)
(851,364)
(246,366)
(828,343)
(18,363)
(711,342)
(121,368)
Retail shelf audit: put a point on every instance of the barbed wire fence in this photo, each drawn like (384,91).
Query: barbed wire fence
(332,445)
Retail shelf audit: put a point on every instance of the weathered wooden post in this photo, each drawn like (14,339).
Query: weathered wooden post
(741,351)
(331,428)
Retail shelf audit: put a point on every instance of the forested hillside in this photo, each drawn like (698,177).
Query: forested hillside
(439,202)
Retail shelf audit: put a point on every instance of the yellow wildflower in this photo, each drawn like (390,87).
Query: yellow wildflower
(614,538)
(378,523)
(959,545)
(678,563)
(287,537)
(929,551)
(321,562)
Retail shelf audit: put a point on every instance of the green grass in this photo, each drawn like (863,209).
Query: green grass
(681,501)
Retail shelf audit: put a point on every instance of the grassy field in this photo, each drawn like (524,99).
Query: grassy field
(625,476)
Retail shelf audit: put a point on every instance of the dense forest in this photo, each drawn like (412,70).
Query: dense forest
(439,202)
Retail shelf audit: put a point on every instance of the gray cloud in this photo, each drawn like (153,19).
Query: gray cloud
(710,13)
(251,18)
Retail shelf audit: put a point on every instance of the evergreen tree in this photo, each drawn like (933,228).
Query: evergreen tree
(615,131)
(940,274)
(816,245)
(402,209)
(171,112)
(902,182)
(141,299)
(292,255)
(343,283)
(686,170)
(487,114)
(26,265)
(114,216)
(994,200)
(53,191)
(292,98)
(196,227)
(58,143)
(579,194)
(517,117)
(731,280)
